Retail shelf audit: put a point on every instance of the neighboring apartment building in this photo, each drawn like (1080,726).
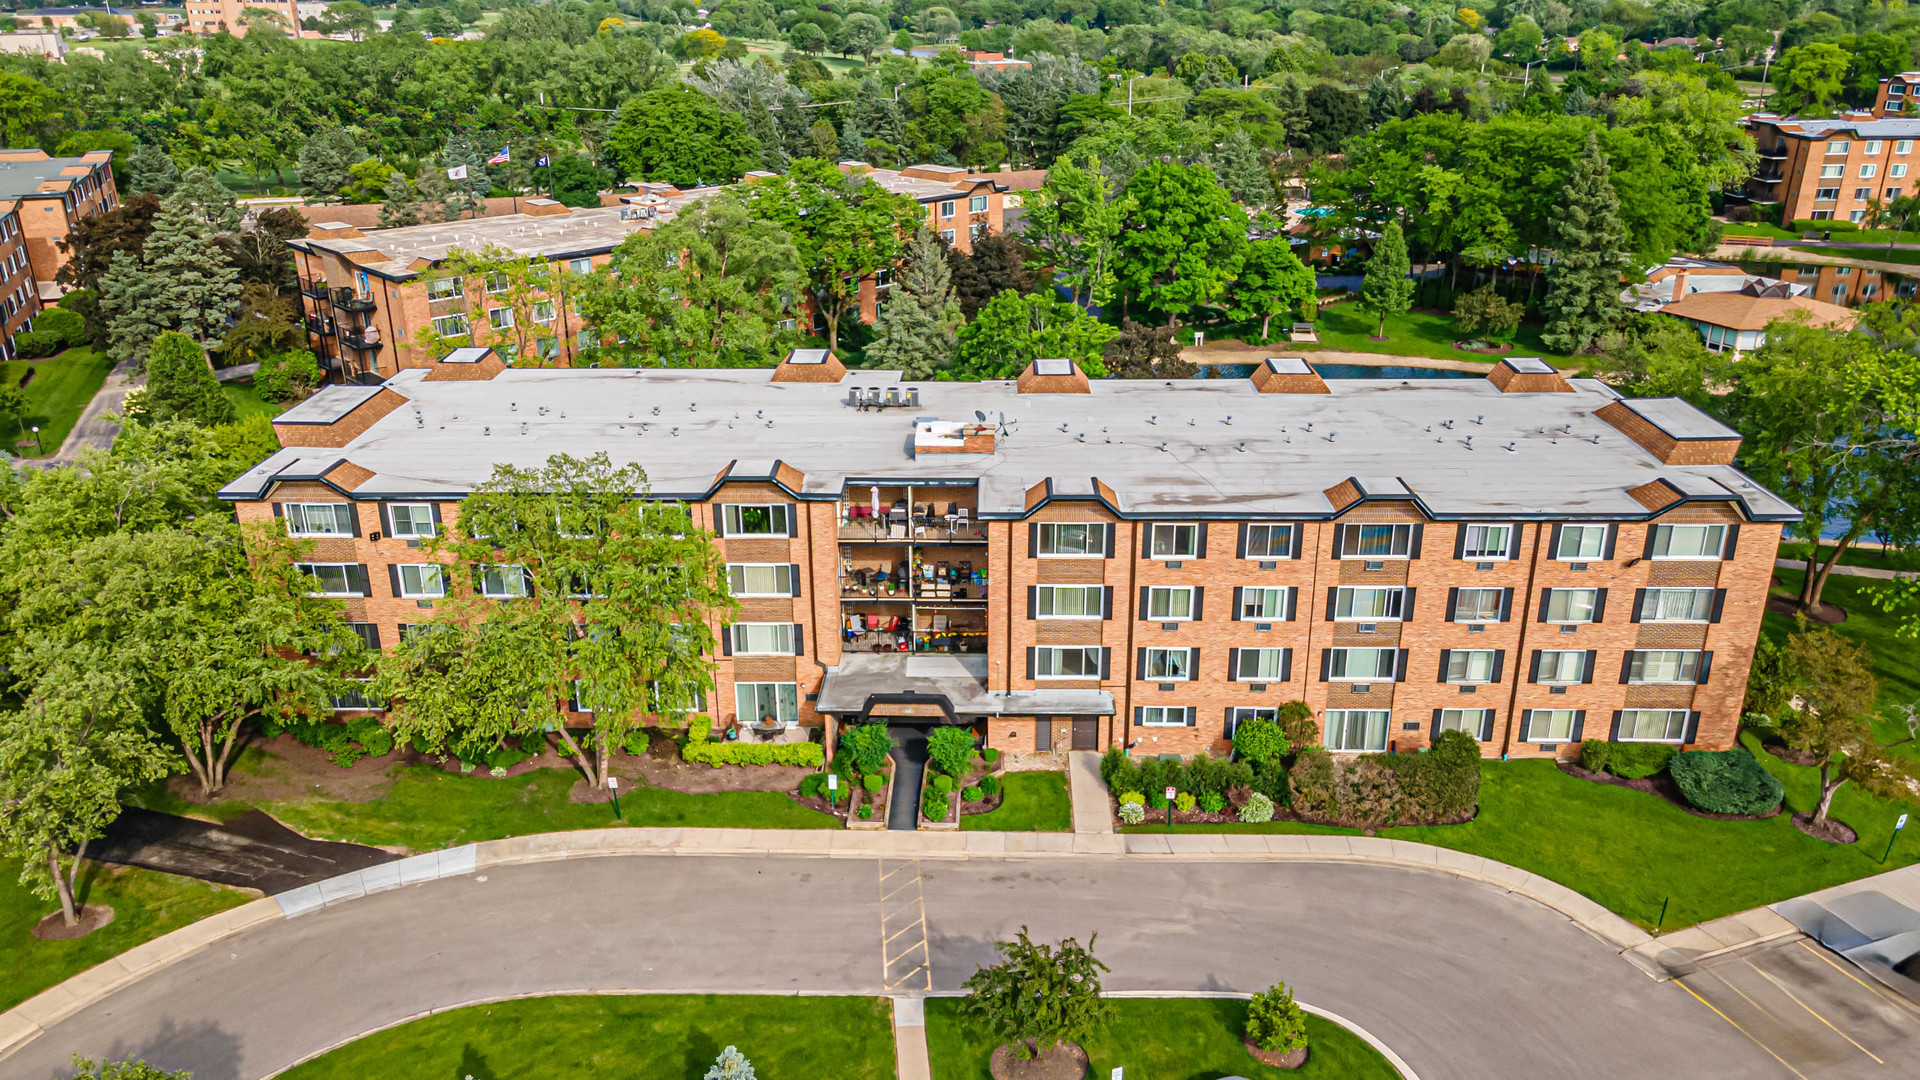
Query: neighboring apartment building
(365,297)
(52,194)
(218,16)
(1898,95)
(1530,559)
(1829,170)
(19,295)
(47,43)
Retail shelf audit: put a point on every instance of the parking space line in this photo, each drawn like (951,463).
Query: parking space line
(1681,983)
(1903,1003)
(1796,1000)
(1743,994)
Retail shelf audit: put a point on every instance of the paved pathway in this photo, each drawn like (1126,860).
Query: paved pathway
(1090,812)
(252,852)
(1443,969)
(1844,570)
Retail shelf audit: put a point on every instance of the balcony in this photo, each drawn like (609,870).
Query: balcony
(345,300)
(1769,178)
(366,339)
(314,290)
(1774,153)
(320,326)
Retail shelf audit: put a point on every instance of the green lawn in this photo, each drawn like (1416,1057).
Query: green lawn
(61,388)
(656,1036)
(1869,252)
(246,402)
(427,809)
(1160,1039)
(145,905)
(1877,558)
(1893,656)
(1035,802)
(1630,851)
(1841,234)
(1348,329)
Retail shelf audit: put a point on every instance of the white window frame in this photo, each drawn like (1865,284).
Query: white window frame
(446,288)
(1466,659)
(1346,595)
(948,206)
(498,283)
(1192,535)
(976,204)
(396,512)
(784,696)
(737,583)
(1535,735)
(1669,531)
(1259,664)
(1470,552)
(1046,602)
(733,518)
(494,579)
(1372,737)
(296,516)
(1399,540)
(430,581)
(1838,146)
(1833,172)
(1569,617)
(1240,714)
(1650,604)
(1156,593)
(346,577)
(455,325)
(1903,146)
(1263,550)
(1276,612)
(1338,662)
(1872,148)
(366,703)
(1682,676)
(1630,719)
(543,312)
(1164,715)
(1868,170)
(1094,540)
(1568,533)
(580,266)
(1160,661)
(777,639)
(500,318)
(1050,656)
(1457,720)
(1554,677)
(1460,604)
(947,235)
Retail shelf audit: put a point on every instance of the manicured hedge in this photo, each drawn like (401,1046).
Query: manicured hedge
(704,751)
(1629,761)
(1726,781)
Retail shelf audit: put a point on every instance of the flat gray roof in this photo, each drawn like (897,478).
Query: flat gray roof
(21,179)
(327,405)
(1169,449)
(1679,419)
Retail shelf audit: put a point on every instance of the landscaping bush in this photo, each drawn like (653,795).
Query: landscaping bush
(1157,799)
(1636,761)
(990,784)
(813,786)
(1259,741)
(989,755)
(933,805)
(1213,802)
(1725,781)
(1485,314)
(867,744)
(865,812)
(287,376)
(1439,785)
(65,326)
(948,748)
(636,743)
(1270,779)
(1201,775)
(1132,798)
(808,754)
(972,793)
(1594,754)
(1132,813)
(343,744)
(34,344)
(1259,809)
(873,782)
(1184,802)
(1275,1022)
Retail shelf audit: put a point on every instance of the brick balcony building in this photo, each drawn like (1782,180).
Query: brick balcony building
(1528,558)
(41,199)
(1829,169)
(365,295)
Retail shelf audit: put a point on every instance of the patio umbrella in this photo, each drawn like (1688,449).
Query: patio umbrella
(874,498)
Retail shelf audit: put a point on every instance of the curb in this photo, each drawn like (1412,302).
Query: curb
(24,1022)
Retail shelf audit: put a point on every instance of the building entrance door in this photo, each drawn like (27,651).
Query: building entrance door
(1086,733)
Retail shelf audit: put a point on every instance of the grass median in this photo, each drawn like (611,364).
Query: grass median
(60,390)
(658,1036)
(1161,1039)
(1034,802)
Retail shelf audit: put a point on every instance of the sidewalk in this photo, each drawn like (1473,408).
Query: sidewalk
(1091,816)
(1844,570)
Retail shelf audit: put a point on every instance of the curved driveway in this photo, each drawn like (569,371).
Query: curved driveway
(1462,979)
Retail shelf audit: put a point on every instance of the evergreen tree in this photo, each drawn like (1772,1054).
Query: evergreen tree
(853,140)
(180,384)
(207,197)
(1588,241)
(430,183)
(402,205)
(731,1065)
(468,194)
(152,171)
(1291,99)
(916,330)
(324,162)
(1240,169)
(183,279)
(1387,290)
(997,263)
(1385,99)
(1578,103)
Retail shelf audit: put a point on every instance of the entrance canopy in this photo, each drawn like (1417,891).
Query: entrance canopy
(951,688)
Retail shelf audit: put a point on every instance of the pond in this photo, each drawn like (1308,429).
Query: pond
(1344,371)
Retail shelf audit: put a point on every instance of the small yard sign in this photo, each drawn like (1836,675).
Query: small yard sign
(833,781)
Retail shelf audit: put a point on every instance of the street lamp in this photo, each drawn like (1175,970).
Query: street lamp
(38,449)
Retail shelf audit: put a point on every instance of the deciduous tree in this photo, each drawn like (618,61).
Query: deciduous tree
(677,135)
(1183,239)
(1387,290)
(1837,683)
(1074,222)
(1039,995)
(1015,330)
(1272,280)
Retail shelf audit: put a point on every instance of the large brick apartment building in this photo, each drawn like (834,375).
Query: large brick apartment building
(365,293)
(1830,169)
(41,199)
(1531,559)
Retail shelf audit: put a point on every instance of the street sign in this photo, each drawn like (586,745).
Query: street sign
(613,782)
(833,781)
(1901,824)
(1119,1073)
(1169,792)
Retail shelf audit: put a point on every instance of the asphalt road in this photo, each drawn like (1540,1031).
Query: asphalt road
(1464,980)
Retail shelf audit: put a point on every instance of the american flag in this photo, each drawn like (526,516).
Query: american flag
(501,158)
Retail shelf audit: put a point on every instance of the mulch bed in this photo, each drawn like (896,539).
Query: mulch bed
(1485,350)
(1280,813)
(1291,1059)
(1829,830)
(1065,1061)
(1827,614)
(1663,786)
(1789,755)
(55,928)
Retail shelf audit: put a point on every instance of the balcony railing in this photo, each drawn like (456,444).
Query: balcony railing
(345,300)
(314,290)
(320,326)
(367,340)
(1776,153)
(447,305)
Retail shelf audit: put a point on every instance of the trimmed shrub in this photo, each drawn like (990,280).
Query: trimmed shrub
(1132,798)
(1275,1022)
(1184,802)
(990,784)
(1594,754)
(1157,799)
(343,743)
(873,782)
(1636,761)
(1725,781)
(1259,809)
(1259,741)
(636,743)
(34,344)
(1439,785)
(66,326)
(989,755)
(948,748)
(1153,776)
(1213,802)
(1132,813)
(1270,779)
(807,754)
(867,744)
(941,783)
(933,805)
(972,793)
(865,812)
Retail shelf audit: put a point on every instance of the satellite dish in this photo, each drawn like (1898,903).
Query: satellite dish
(980,416)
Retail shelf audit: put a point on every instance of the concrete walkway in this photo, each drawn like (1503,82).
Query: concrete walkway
(1844,570)
(910,1039)
(1091,815)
